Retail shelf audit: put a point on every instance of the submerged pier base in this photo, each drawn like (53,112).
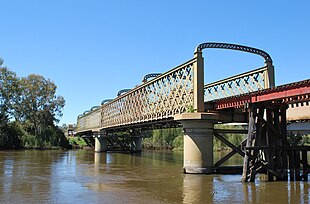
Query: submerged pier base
(100,144)
(198,142)
(136,144)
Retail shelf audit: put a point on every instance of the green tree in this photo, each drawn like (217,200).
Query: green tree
(168,138)
(9,137)
(39,106)
(9,91)
(29,109)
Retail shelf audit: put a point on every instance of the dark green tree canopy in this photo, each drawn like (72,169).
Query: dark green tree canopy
(29,111)
(9,90)
(30,100)
(38,96)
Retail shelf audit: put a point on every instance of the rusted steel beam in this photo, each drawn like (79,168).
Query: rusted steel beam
(289,93)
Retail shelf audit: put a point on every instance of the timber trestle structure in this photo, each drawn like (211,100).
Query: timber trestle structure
(267,149)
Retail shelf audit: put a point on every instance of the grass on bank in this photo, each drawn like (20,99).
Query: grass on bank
(77,142)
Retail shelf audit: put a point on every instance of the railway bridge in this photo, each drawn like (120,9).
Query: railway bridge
(179,98)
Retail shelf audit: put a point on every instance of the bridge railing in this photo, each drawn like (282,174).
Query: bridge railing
(89,121)
(255,80)
(161,98)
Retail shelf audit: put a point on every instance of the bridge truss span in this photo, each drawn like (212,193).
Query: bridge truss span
(164,96)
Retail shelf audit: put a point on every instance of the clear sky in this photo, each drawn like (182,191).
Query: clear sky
(91,49)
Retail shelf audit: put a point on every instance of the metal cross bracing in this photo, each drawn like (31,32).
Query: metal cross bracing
(240,84)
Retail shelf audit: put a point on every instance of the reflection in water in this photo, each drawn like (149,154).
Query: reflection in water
(152,177)
(276,192)
(195,189)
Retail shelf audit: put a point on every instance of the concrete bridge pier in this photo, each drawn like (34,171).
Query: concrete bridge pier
(198,142)
(100,144)
(136,144)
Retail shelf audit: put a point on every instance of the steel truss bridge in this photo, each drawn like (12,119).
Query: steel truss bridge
(179,98)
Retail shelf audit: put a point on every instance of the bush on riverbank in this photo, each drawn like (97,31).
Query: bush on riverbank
(298,139)
(77,142)
(14,136)
(178,143)
(10,137)
(164,139)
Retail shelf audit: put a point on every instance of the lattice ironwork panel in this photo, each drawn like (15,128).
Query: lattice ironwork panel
(163,97)
(89,121)
(240,84)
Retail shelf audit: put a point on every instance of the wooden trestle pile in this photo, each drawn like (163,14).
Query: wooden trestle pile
(267,149)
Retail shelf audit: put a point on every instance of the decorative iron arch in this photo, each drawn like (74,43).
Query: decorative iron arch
(122,91)
(94,107)
(146,77)
(106,101)
(85,112)
(229,46)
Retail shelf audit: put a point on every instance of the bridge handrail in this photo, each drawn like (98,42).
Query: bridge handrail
(152,100)
(239,84)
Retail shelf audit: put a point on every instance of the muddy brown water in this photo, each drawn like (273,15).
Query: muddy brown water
(79,176)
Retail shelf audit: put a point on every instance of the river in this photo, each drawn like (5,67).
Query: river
(80,176)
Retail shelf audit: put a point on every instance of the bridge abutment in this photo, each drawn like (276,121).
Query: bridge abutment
(198,142)
(100,144)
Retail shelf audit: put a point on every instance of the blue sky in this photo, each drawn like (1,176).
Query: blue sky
(92,49)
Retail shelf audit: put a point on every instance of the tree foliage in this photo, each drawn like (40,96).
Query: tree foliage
(169,138)
(30,110)
(39,107)
(9,91)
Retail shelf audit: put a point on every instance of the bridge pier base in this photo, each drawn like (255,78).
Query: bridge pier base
(198,131)
(136,144)
(100,144)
